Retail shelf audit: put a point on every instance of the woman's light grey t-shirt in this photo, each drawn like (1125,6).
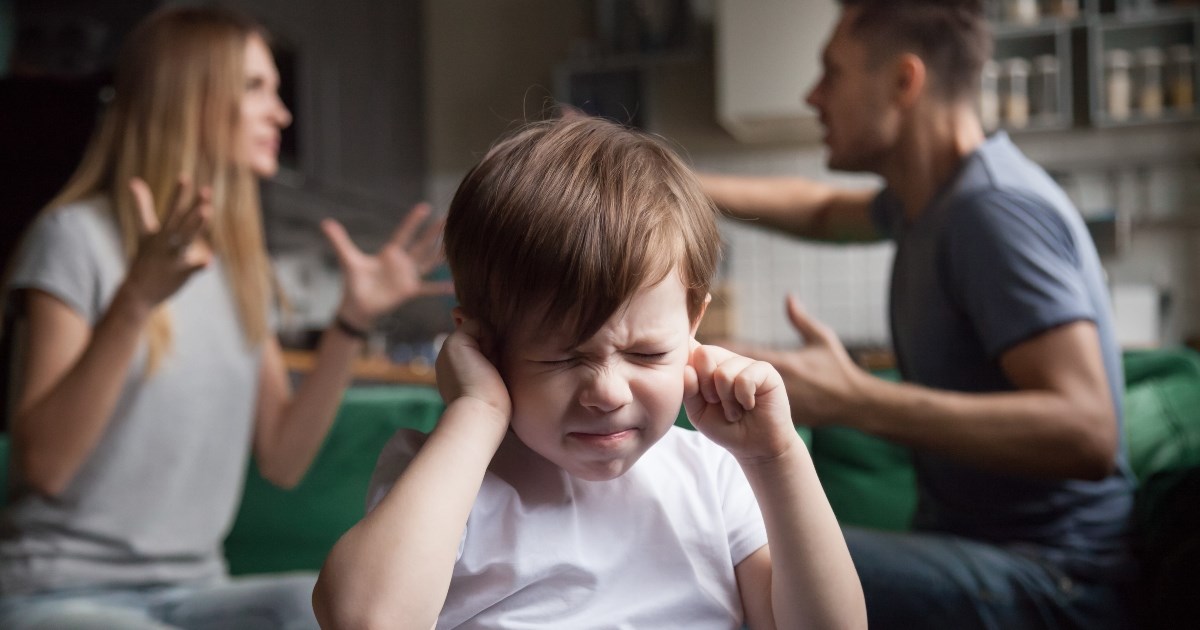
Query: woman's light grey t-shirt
(153,501)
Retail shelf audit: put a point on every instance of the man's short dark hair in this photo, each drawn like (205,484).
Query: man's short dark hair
(952,37)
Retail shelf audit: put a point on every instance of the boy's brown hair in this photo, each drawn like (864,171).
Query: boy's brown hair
(570,218)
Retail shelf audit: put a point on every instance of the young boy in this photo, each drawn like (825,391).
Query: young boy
(555,491)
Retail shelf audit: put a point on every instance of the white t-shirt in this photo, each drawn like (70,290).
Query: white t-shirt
(653,548)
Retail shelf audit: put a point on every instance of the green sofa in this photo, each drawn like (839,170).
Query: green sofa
(868,481)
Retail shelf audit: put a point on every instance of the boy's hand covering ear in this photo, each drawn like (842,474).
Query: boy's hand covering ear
(464,369)
(739,403)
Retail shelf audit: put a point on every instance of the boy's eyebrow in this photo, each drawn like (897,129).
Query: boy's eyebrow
(648,338)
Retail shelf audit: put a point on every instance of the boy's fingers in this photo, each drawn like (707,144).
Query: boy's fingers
(704,363)
(144,200)
(725,377)
(750,382)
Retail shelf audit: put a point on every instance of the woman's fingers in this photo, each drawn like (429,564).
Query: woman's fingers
(178,203)
(343,247)
(404,232)
(144,200)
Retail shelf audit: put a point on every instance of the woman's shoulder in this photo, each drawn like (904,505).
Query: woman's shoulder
(95,210)
(78,221)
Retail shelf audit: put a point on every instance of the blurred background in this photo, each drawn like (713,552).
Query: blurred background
(395,99)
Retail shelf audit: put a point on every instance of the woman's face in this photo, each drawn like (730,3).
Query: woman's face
(263,115)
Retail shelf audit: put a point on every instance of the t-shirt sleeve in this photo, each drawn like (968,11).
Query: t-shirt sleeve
(57,257)
(1013,267)
(393,460)
(743,520)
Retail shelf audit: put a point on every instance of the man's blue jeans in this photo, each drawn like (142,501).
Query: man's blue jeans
(916,580)
(277,602)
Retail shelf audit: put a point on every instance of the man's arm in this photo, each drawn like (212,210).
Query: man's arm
(800,207)
(1060,423)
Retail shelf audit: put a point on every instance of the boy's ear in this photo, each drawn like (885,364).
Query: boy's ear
(700,315)
(458,315)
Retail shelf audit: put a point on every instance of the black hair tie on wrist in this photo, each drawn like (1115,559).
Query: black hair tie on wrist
(350,329)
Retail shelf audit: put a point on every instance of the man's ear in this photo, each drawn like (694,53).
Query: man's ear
(458,315)
(700,315)
(910,78)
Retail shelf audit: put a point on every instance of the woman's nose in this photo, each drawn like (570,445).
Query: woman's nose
(283,116)
(606,390)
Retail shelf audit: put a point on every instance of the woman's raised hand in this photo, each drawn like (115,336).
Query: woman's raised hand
(169,252)
(376,284)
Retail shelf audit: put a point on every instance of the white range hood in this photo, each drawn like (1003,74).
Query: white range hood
(768,55)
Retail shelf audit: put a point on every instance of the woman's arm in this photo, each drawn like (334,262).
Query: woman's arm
(289,429)
(71,375)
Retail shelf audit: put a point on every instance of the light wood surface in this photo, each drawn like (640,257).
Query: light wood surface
(367,368)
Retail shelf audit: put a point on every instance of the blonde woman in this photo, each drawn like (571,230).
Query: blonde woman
(149,371)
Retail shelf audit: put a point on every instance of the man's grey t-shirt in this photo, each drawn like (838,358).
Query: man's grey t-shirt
(153,501)
(998,257)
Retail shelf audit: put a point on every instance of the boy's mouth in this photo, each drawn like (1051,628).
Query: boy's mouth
(603,439)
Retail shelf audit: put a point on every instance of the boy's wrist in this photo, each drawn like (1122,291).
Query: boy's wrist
(477,412)
(794,452)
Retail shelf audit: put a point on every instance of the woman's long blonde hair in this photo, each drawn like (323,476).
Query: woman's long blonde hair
(179,80)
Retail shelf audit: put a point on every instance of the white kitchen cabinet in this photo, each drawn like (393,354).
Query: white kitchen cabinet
(768,56)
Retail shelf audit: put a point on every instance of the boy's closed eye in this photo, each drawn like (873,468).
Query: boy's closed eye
(648,356)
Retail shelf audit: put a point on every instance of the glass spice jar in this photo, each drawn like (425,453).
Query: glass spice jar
(1150,82)
(1181,78)
(1016,94)
(1118,84)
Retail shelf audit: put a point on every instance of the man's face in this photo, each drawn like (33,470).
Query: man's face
(595,408)
(852,100)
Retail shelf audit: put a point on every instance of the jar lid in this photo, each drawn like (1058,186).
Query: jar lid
(1150,56)
(1117,58)
(1046,63)
(1180,53)
(1016,65)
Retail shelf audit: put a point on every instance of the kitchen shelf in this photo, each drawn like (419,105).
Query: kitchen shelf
(1049,38)
(1132,32)
(1081,44)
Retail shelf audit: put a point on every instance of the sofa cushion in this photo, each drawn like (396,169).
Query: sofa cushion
(1162,410)
(286,530)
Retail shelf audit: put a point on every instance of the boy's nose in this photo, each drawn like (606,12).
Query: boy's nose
(605,390)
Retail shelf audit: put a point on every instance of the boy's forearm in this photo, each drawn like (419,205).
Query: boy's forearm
(813,580)
(394,567)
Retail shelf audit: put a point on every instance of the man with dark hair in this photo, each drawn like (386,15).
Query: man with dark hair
(1012,400)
